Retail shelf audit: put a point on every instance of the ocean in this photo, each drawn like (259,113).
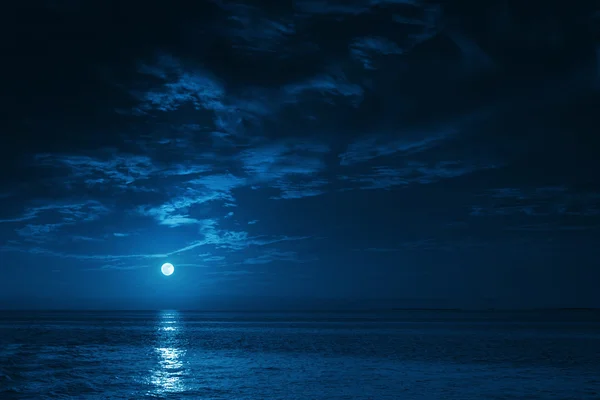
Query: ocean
(319,355)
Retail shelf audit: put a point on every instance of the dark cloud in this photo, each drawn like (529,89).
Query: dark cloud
(543,201)
(364,49)
(374,147)
(413,173)
(112,171)
(252,29)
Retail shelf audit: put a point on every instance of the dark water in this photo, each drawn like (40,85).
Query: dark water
(406,355)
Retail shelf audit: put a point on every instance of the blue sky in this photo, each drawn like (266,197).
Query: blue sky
(429,154)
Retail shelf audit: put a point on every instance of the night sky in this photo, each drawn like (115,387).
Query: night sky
(360,153)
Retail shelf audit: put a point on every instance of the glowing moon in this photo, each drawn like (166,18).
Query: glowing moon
(167,269)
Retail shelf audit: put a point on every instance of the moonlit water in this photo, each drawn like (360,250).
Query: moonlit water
(404,355)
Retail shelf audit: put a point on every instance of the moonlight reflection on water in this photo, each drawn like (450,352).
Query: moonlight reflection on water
(168,376)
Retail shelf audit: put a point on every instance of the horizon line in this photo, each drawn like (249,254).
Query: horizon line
(319,310)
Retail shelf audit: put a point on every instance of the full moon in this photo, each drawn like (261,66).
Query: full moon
(167,269)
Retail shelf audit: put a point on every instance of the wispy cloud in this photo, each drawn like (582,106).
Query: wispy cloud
(293,168)
(86,210)
(474,57)
(251,29)
(277,160)
(119,266)
(120,234)
(210,237)
(83,257)
(452,244)
(213,259)
(274,255)
(232,240)
(299,189)
(542,201)
(338,8)
(366,48)
(175,211)
(108,171)
(180,86)
(413,173)
(332,86)
(546,227)
(384,145)
(45,220)
(310,7)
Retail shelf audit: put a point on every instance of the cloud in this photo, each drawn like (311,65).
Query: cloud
(598,66)
(412,140)
(251,29)
(364,49)
(38,232)
(331,86)
(413,173)
(213,259)
(474,56)
(452,244)
(298,190)
(226,273)
(310,7)
(232,240)
(418,20)
(80,238)
(368,148)
(428,18)
(292,168)
(45,220)
(210,236)
(277,160)
(119,266)
(87,210)
(417,244)
(273,255)
(210,188)
(112,170)
(82,257)
(254,221)
(180,86)
(539,202)
(552,227)
(346,8)
(379,250)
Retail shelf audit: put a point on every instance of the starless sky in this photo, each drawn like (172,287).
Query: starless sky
(400,150)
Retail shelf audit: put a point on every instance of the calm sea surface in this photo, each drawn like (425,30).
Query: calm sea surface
(401,355)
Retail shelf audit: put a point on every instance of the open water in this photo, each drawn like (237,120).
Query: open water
(399,355)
